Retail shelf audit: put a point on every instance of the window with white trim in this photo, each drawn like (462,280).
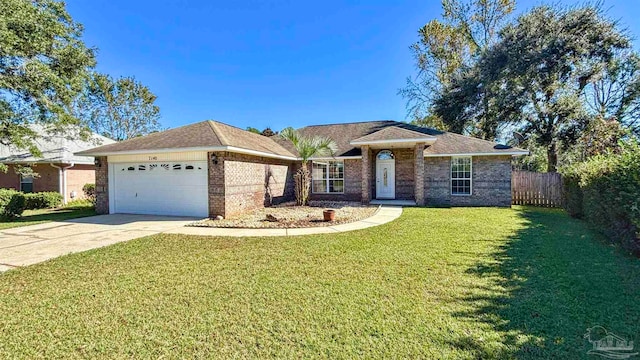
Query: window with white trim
(327,177)
(461,176)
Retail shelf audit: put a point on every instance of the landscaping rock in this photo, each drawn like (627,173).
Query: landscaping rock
(271,218)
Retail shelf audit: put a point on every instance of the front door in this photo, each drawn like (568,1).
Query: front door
(386,179)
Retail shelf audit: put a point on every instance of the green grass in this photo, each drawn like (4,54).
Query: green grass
(436,283)
(33,217)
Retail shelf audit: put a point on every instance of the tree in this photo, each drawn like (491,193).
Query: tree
(445,48)
(118,109)
(615,94)
(43,63)
(537,73)
(266,132)
(307,147)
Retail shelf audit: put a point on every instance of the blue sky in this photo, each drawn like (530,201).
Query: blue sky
(270,63)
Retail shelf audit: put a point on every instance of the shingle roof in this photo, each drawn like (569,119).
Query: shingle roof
(392,133)
(204,134)
(55,148)
(446,143)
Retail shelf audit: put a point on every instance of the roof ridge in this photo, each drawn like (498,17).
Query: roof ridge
(353,122)
(214,127)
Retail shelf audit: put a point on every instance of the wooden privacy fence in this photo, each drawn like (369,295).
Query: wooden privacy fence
(539,189)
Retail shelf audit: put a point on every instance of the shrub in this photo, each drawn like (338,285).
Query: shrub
(79,203)
(12,203)
(572,192)
(90,191)
(607,194)
(43,200)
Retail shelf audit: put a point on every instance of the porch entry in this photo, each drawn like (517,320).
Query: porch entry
(385,175)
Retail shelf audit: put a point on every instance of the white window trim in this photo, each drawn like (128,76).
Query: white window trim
(326,181)
(470,173)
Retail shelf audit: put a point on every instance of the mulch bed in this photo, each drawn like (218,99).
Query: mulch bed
(288,215)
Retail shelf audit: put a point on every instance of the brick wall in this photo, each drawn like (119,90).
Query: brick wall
(239,183)
(405,171)
(47,180)
(77,176)
(102,186)
(10,180)
(491,182)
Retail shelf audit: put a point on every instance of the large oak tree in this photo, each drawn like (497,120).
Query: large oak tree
(537,74)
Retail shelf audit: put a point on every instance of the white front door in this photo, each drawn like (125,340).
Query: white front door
(385,179)
(161,188)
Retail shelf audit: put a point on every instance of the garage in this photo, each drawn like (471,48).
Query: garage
(176,188)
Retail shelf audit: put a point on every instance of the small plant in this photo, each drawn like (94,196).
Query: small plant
(90,192)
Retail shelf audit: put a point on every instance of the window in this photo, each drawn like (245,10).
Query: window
(26,184)
(385,155)
(461,176)
(327,177)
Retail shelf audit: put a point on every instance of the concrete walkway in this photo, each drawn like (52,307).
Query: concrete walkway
(383,215)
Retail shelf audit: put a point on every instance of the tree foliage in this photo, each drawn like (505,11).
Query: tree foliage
(43,63)
(118,109)
(446,47)
(536,75)
(615,94)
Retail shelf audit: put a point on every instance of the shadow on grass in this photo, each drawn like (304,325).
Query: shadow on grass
(552,280)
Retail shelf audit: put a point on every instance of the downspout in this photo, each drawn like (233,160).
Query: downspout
(62,180)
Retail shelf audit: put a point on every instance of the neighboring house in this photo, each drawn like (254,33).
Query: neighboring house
(58,169)
(210,168)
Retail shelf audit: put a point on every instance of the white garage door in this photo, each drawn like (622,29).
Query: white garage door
(161,188)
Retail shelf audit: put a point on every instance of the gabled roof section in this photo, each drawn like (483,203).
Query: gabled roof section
(55,148)
(202,136)
(446,144)
(393,134)
(455,144)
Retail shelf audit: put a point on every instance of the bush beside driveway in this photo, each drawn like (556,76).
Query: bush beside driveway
(436,283)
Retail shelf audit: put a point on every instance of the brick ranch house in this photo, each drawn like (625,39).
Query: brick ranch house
(58,169)
(210,168)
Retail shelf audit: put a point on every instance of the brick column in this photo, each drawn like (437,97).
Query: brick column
(216,184)
(366,174)
(102,185)
(418,173)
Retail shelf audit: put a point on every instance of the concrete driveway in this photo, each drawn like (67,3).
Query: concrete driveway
(36,243)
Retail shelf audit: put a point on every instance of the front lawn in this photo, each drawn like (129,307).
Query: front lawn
(436,283)
(33,217)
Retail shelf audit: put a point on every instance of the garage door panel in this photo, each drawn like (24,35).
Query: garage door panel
(161,188)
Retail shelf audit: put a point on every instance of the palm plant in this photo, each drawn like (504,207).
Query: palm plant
(307,148)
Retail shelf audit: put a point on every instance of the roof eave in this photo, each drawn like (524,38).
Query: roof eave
(505,153)
(192,149)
